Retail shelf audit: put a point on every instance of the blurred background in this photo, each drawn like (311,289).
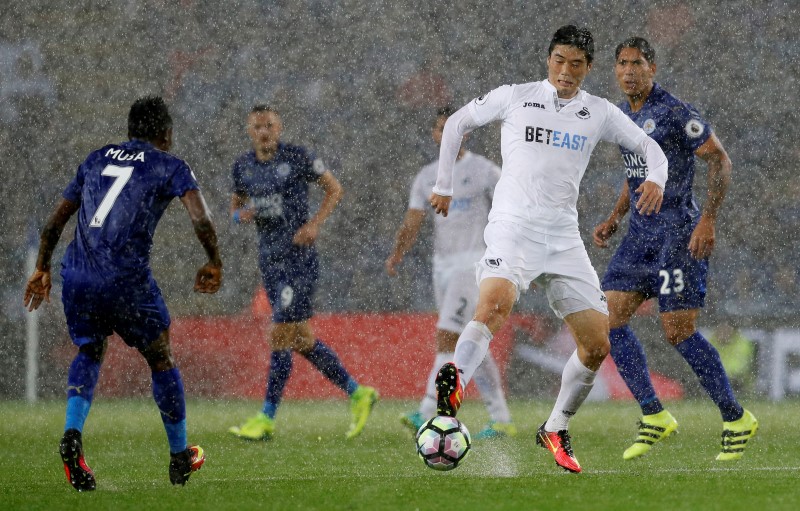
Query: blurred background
(358,81)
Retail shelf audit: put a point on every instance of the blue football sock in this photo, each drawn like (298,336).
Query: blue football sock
(628,355)
(706,364)
(81,381)
(280,368)
(169,397)
(327,363)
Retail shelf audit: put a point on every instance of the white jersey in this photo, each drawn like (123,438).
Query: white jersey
(546,149)
(458,239)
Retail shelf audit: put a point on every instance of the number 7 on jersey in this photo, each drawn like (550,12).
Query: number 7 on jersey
(122,175)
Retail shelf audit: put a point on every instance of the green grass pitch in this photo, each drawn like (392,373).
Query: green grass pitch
(310,466)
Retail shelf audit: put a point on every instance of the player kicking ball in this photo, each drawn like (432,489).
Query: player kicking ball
(548,132)
(120,193)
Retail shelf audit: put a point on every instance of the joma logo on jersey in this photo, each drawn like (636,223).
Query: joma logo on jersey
(119,154)
(532,105)
(555,138)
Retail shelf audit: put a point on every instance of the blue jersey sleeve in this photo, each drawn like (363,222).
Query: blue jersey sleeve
(182,180)
(695,129)
(309,167)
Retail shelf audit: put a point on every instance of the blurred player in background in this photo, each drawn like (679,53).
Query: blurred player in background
(548,132)
(270,190)
(666,255)
(120,193)
(458,243)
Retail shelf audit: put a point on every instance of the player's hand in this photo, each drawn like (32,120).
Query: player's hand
(391,264)
(245,216)
(603,232)
(440,204)
(209,279)
(37,290)
(306,235)
(701,244)
(651,198)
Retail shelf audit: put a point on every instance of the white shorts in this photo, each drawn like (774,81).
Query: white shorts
(558,264)
(456,293)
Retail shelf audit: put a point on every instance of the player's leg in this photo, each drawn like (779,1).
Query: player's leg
(628,354)
(81,382)
(589,327)
(262,425)
(170,398)
(328,363)
(445,348)
(508,265)
(83,310)
(683,290)
(739,425)
(283,331)
(628,281)
(490,386)
(456,306)
(495,301)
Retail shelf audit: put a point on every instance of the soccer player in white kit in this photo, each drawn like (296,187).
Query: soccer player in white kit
(548,132)
(457,244)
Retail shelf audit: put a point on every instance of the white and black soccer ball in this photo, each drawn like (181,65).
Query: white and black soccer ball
(443,442)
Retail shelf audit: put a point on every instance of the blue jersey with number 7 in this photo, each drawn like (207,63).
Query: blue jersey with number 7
(123,190)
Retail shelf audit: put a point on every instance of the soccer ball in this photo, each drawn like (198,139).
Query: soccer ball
(443,442)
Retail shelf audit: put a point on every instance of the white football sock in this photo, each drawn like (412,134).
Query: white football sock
(427,407)
(490,386)
(576,382)
(473,343)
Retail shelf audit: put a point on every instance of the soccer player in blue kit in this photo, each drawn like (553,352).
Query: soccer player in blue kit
(666,255)
(120,193)
(270,190)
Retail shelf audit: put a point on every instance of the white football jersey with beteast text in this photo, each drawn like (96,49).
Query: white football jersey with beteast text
(546,149)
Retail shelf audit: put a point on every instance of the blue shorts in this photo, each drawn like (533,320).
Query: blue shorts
(94,310)
(659,267)
(290,281)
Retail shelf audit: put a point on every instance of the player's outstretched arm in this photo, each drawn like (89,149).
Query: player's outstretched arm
(405,239)
(701,244)
(307,234)
(38,286)
(209,276)
(604,230)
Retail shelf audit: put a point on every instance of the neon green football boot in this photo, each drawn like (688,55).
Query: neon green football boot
(652,429)
(735,436)
(259,427)
(361,403)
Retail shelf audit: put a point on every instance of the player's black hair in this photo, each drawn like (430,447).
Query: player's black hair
(257,109)
(641,44)
(445,111)
(571,35)
(149,119)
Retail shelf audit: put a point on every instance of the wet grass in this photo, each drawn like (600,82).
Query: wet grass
(309,465)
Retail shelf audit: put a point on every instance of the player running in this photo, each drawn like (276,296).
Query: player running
(548,132)
(270,190)
(120,193)
(666,256)
(458,243)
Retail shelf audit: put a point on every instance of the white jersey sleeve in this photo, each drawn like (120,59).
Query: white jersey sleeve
(482,110)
